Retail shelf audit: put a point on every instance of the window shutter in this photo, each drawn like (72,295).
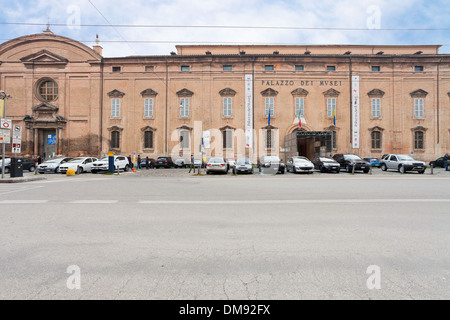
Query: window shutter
(300,107)
(148,108)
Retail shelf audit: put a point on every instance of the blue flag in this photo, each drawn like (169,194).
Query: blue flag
(269,117)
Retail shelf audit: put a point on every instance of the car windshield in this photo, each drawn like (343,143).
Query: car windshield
(243,161)
(271,159)
(161,159)
(326,160)
(405,157)
(76,160)
(300,159)
(53,161)
(215,160)
(351,157)
(103,159)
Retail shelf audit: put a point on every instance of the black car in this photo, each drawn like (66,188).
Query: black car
(27,165)
(324,164)
(439,162)
(164,162)
(151,163)
(348,161)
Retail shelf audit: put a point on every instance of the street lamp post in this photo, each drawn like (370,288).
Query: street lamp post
(3,96)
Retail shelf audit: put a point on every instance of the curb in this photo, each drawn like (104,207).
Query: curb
(21,179)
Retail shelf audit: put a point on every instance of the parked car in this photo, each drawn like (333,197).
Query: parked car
(79,165)
(216,165)
(439,162)
(27,165)
(272,162)
(374,162)
(198,163)
(102,164)
(151,163)
(243,165)
(402,163)
(164,162)
(230,163)
(350,161)
(299,164)
(325,164)
(52,165)
(180,163)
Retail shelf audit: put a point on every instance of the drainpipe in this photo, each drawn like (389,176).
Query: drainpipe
(167,97)
(437,107)
(100,148)
(350,98)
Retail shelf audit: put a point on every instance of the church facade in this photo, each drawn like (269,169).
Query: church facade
(229,101)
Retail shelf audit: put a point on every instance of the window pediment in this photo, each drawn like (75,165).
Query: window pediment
(227,92)
(148,92)
(115,94)
(269,92)
(299,92)
(185,93)
(375,93)
(419,93)
(227,127)
(419,128)
(148,128)
(376,128)
(44,57)
(184,127)
(331,93)
(115,128)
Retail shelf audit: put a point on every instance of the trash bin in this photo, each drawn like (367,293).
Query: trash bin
(16,168)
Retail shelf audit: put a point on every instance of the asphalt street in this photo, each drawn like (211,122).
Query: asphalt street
(149,236)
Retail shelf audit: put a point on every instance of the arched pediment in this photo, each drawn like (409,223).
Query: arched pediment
(331,128)
(148,128)
(45,47)
(299,92)
(269,127)
(331,93)
(419,128)
(115,94)
(269,92)
(227,127)
(227,92)
(115,128)
(185,93)
(376,128)
(184,127)
(419,93)
(149,92)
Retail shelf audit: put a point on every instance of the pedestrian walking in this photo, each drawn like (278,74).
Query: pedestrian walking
(39,160)
(446,161)
(147,162)
(139,162)
(192,167)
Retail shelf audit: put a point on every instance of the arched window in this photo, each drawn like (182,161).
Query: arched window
(115,139)
(376,139)
(148,140)
(418,139)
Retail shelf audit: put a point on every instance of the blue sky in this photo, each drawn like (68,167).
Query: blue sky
(373,15)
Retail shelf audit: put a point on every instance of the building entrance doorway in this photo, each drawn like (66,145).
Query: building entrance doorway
(47,143)
(308,144)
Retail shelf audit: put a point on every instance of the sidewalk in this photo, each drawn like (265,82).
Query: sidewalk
(21,179)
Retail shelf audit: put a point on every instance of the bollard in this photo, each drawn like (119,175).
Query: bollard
(370,170)
(431,167)
(353,169)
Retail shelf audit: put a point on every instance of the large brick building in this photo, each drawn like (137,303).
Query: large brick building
(367,100)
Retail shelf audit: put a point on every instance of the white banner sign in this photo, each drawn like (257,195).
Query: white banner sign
(206,139)
(248,111)
(355,112)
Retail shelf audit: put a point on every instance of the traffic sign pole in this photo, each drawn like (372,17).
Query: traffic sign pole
(3,97)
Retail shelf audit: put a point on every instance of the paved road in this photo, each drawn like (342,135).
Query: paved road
(148,236)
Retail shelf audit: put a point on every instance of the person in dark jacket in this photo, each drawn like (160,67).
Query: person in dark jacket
(446,161)
(147,162)
(139,162)
(130,162)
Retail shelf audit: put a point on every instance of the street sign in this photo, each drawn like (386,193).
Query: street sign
(17,134)
(16,147)
(51,139)
(5,124)
(5,136)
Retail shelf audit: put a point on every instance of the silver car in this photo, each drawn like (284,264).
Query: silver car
(52,165)
(216,165)
(402,163)
(243,165)
(299,164)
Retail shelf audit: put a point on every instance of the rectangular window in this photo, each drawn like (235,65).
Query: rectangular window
(227,139)
(269,107)
(148,107)
(418,140)
(184,107)
(116,69)
(418,68)
(149,68)
(269,67)
(376,140)
(331,68)
(227,107)
(376,107)
(185,68)
(184,139)
(270,139)
(299,67)
(299,107)
(148,139)
(227,67)
(418,108)
(115,139)
(331,106)
(115,108)
(376,68)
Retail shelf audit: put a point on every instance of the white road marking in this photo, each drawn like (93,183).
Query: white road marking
(13,187)
(94,201)
(318,201)
(23,201)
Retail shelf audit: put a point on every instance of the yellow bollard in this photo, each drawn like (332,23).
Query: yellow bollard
(70,172)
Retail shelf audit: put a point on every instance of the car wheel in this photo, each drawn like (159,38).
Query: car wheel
(422,171)
(366,170)
(6,169)
(57,170)
(401,169)
(32,168)
(349,168)
(383,167)
(126,168)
